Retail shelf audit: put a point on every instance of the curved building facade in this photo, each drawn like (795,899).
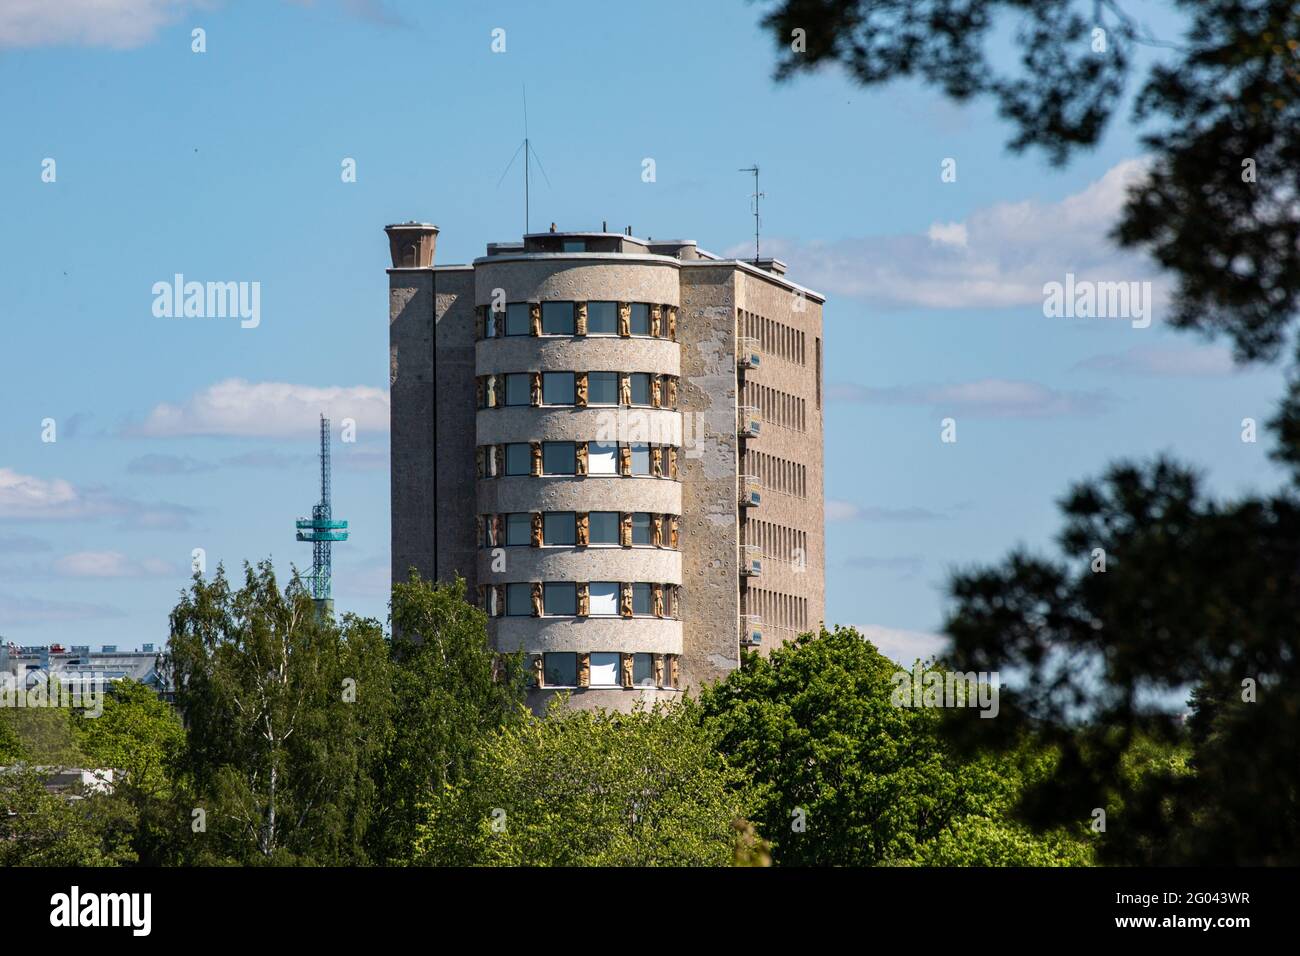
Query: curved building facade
(572,434)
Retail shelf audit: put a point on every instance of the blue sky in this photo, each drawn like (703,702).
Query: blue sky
(175,434)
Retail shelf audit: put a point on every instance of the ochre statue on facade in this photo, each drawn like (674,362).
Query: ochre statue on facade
(657,461)
(537,670)
(657,530)
(537,529)
(580,452)
(656,391)
(624,460)
(625,529)
(672,462)
(584,670)
(584,600)
(536,388)
(672,532)
(674,679)
(583,530)
(537,458)
(672,322)
(624,388)
(537,599)
(655,317)
(625,599)
(580,319)
(624,319)
(535,318)
(625,662)
(659,670)
(580,390)
(657,597)
(670,390)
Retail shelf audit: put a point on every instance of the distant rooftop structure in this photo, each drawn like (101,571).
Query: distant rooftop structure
(29,662)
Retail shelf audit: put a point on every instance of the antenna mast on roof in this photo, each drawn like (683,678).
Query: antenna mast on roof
(756,197)
(528,151)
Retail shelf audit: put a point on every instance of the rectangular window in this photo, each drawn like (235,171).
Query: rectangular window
(640,388)
(557,388)
(602,527)
(561,669)
(519,389)
(602,458)
(517,319)
(643,670)
(519,600)
(557,318)
(640,459)
(519,529)
(602,388)
(603,598)
(519,459)
(604,669)
(641,599)
(640,527)
(560,598)
(559,458)
(602,318)
(640,318)
(575,245)
(559,527)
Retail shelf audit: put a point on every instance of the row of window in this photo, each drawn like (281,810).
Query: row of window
(778,542)
(580,599)
(775,338)
(777,474)
(605,669)
(576,388)
(778,407)
(581,458)
(578,318)
(777,610)
(628,529)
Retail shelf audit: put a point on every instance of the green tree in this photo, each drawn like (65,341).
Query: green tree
(1199,599)
(842,776)
(39,828)
(583,788)
(1219,106)
(137,733)
(449,692)
(287,715)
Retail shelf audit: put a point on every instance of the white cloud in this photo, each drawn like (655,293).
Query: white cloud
(239,408)
(983,398)
(111,564)
(1211,360)
(999,256)
(112,23)
(901,646)
(837,510)
(28,498)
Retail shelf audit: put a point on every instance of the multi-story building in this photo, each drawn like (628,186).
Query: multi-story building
(617,442)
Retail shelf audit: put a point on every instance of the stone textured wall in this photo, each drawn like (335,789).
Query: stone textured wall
(709,533)
(773,301)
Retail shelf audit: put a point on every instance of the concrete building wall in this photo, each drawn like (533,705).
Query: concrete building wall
(439,435)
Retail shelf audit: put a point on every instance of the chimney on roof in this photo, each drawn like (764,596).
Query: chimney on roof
(411,244)
(552,227)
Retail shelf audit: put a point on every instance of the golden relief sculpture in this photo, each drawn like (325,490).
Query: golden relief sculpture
(580,320)
(580,452)
(537,599)
(537,529)
(584,670)
(625,599)
(671,392)
(657,461)
(536,388)
(537,459)
(656,391)
(657,597)
(657,530)
(535,318)
(672,322)
(580,390)
(584,600)
(673,676)
(624,319)
(672,462)
(584,533)
(625,669)
(537,669)
(625,529)
(659,670)
(624,460)
(655,318)
(624,388)
(672,532)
